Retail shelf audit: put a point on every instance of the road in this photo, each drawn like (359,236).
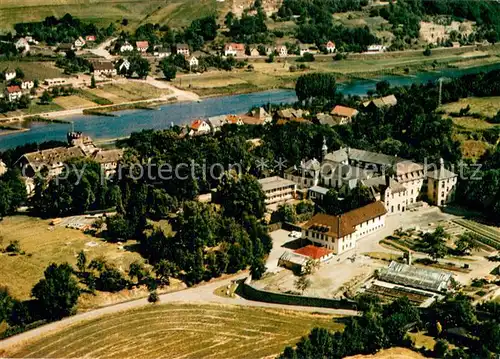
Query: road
(203,294)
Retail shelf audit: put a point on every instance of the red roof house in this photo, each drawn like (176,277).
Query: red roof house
(314,252)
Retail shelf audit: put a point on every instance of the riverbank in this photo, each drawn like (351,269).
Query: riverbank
(283,73)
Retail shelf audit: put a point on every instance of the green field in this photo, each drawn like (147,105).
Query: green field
(34,69)
(101,12)
(180,331)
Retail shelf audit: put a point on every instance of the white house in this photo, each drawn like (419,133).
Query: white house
(9,74)
(182,49)
(193,62)
(340,233)
(282,51)
(376,48)
(22,44)
(304,49)
(199,127)
(80,42)
(124,65)
(330,46)
(27,84)
(277,190)
(126,47)
(13,93)
(441,185)
(104,68)
(162,52)
(58,81)
(234,49)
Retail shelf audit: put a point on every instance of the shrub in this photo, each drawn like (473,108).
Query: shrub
(153,297)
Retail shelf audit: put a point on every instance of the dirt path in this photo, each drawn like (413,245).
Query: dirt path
(203,294)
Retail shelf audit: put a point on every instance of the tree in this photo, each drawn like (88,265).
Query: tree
(118,228)
(316,86)
(92,82)
(302,283)
(258,268)
(427,51)
(435,243)
(153,297)
(81,262)
(164,270)
(466,242)
(58,292)
(137,270)
(45,98)
(169,71)
(331,203)
(441,348)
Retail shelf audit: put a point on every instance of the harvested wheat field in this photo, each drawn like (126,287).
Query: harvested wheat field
(179,331)
(393,353)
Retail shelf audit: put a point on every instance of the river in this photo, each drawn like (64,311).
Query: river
(126,122)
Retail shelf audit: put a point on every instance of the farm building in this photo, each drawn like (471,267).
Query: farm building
(426,279)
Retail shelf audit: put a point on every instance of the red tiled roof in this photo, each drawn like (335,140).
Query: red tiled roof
(344,111)
(142,44)
(330,43)
(345,224)
(196,124)
(313,251)
(14,88)
(235,46)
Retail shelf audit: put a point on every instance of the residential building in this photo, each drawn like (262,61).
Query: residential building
(330,46)
(27,84)
(51,159)
(319,254)
(386,101)
(216,122)
(126,47)
(80,42)
(441,185)
(13,93)
(108,159)
(182,49)
(304,49)
(123,66)
(162,52)
(327,119)
(22,45)
(90,38)
(142,46)
(254,52)
(65,47)
(340,233)
(193,61)
(3,168)
(291,114)
(343,114)
(199,127)
(104,68)
(9,74)
(84,142)
(234,120)
(261,114)
(390,192)
(282,51)
(317,193)
(234,49)
(277,190)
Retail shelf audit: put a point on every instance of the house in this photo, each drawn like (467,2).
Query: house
(376,48)
(261,114)
(340,233)
(182,49)
(326,119)
(104,68)
(126,47)
(199,127)
(317,193)
(193,61)
(65,47)
(161,52)
(305,175)
(277,190)
(108,160)
(80,42)
(386,101)
(330,47)
(234,120)
(123,66)
(304,49)
(142,46)
(90,38)
(9,74)
(31,40)
(319,254)
(3,168)
(27,84)
(291,114)
(80,140)
(234,49)
(13,93)
(391,193)
(343,114)
(22,45)
(282,51)
(216,122)
(254,52)
(441,185)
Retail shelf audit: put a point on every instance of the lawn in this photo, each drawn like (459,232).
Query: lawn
(43,245)
(175,330)
(33,69)
(73,102)
(485,106)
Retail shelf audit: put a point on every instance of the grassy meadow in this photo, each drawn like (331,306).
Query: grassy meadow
(179,331)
